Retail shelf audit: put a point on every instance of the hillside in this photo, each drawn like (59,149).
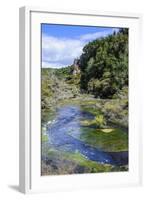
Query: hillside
(58,85)
(104,65)
(102,73)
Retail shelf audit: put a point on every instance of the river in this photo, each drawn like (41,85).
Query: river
(64,135)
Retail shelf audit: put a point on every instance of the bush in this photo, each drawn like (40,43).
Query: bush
(100,121)
(116,112)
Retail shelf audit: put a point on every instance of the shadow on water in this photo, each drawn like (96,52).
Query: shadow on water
(67,120)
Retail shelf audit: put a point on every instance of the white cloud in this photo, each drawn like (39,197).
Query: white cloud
(92,36)
(52,65)
(60,52)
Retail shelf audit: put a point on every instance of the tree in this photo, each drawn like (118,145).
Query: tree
(104,65)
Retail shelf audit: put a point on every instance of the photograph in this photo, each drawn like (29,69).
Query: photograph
(84,99)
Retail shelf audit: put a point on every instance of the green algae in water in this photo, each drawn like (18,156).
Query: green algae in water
(115,141)
(78,159)
(110,140)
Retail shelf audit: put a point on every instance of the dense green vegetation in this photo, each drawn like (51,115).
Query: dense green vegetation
(104,65)
(99,88)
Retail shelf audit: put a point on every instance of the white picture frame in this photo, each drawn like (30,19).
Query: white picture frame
(29,160)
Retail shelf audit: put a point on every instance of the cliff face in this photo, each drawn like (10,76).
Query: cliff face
(76,68)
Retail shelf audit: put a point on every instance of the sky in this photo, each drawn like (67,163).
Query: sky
(61,44)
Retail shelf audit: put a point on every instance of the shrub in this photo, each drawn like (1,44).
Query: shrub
(100,121)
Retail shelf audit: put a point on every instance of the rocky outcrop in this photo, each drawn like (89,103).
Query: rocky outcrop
(76,68)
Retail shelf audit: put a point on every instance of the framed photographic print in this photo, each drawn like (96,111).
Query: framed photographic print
(79,100)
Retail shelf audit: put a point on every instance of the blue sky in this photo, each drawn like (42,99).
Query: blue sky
(61,44)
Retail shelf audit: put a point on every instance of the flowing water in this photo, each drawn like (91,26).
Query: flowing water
(64,135)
